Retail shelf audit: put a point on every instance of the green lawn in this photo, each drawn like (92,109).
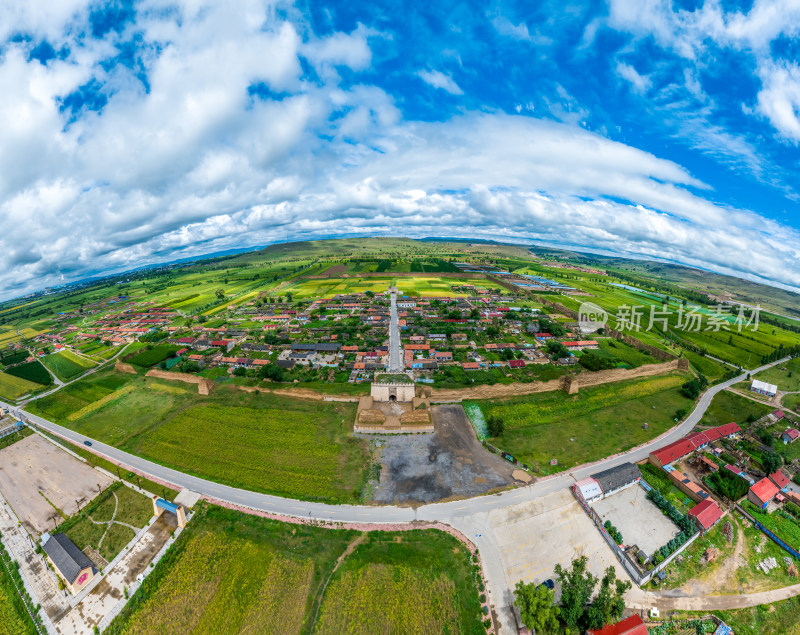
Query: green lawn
(712,370)
(66,365)
(792,402)
(261,441)
(597,422)
(275,575)
(728,406)
(131,507)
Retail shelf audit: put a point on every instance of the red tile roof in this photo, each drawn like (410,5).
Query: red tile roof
(764,490)
(729,429)
(707,513)
(517,363)
(792,433)
(629,626)
(712,434)
(673,451)
(779,478)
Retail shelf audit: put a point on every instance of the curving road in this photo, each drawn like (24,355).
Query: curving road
(469,516)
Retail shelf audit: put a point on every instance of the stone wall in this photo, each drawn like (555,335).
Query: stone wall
(402,392)
(582,380)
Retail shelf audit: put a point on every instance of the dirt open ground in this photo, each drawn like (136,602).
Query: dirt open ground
(450,463)
(35,465)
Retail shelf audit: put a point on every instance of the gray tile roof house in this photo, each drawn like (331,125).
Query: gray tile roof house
(620,476)
(66,556)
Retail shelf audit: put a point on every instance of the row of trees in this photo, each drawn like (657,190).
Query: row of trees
(577,611)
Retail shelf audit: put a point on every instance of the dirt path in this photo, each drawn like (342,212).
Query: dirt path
(346,553)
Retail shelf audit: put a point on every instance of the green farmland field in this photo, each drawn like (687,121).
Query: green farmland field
(275,575)
(66,365)
(260,441)
(14,620)
(153,356)
(32,371)
(597,422)
(14,387)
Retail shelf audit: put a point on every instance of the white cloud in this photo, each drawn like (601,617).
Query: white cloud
(779,98)
(195,163)
(437,79)
(640,83)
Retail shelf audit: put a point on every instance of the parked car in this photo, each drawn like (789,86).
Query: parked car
(89,443)
(548,583)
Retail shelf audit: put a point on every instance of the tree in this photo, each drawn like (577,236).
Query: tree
(289,296)
(577,585)
(240,371)
(557,350)
(771,462)
(609,604)
(220,293)
(537,608)
(495,425)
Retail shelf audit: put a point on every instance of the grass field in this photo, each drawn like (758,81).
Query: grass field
(728,406)
(785,376)
(268,443)
(66,365)
(232,573)
(626,354)
(131,507)
(597,422)
(12,387)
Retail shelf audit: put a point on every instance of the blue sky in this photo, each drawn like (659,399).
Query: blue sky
(149,131)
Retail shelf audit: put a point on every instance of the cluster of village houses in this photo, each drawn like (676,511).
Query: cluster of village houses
(436,332)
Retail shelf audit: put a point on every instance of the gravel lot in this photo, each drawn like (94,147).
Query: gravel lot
(450,463)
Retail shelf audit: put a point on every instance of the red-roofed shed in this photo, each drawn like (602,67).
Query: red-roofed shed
(706,513)
(780,479)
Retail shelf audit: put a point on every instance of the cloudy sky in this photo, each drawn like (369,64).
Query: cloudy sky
(141,132)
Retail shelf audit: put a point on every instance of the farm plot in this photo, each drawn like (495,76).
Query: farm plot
(32,371)
(428,569)
(14,619)
(597,422)
(291,446)
(66,365)
(275,574)
(14,387)
(60,405)
(44,484)
(151,357)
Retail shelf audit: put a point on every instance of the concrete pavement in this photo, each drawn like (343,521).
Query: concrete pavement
(395,353)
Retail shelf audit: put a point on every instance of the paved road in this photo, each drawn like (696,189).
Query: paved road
(395,353)
(469,516)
